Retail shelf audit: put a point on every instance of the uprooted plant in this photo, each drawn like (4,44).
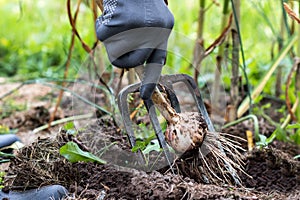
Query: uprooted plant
(215,157)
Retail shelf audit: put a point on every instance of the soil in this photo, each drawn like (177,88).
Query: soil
(271,173)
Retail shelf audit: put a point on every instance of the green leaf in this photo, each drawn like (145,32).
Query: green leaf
(73,153)
(266,106)
(296,157)
(262,140)
(296,137)
(8,155)
(281,134)
(153,146)
(69,126)
(4,129)
(138,145)
(142,144)
(293,126)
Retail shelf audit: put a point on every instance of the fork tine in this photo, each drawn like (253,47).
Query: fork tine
(124,110)
(158,131)
(123,107)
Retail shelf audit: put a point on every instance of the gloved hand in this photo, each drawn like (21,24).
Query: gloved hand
(135,31)
(8,139)
(51,192)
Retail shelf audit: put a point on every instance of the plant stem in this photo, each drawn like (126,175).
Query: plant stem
(297,82)
(61,121)
(278,83)
(12,91)
(199,45)
(285,18)
(68,63)
(100,4)
(242,54)
(220,58)
(234,88)
(251,116)
(298,44)
(201,19)
(284,124)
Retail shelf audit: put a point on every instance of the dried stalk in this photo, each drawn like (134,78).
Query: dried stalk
(100,4)
(291,13)
(199,46)
(220,57)
(278,83)
(296,66)
(234,87)
(288,83)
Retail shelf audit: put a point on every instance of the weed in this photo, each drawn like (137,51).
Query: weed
(70,128)
(2,174)
(6,130)
(9,107)
(72,152)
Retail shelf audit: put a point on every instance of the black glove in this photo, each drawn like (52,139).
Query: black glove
(135,31)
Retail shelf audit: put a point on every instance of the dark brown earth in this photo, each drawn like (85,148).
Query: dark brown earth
(275,174)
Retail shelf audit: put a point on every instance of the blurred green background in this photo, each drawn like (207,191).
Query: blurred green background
(35,36)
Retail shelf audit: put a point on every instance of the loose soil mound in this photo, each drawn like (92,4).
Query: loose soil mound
(275,175)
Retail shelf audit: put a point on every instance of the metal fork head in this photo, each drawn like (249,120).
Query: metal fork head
(167,82)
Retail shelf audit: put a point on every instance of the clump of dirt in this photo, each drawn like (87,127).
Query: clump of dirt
(29,119)
(37,165)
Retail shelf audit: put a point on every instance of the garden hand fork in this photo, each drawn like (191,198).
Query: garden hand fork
(166,82)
